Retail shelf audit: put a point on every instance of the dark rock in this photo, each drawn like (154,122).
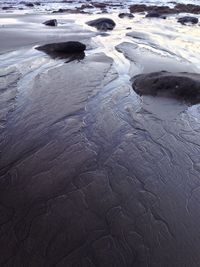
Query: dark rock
(125,15)
(29,4)
(187,19)
(68,50)
(37,3)
(128,28)
(183,86)
(6,7)
(51,22)
(60,10)
(84,6)
(99,5)
(70,11)
(154,14)
(70,47)
(103,24)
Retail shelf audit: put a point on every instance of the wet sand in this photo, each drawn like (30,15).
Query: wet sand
(91,173)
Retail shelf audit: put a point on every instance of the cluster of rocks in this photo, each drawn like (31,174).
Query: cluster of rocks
(89,5)
(166,10)
(29,4)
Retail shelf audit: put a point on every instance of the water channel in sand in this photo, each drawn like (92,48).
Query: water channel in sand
(92,174)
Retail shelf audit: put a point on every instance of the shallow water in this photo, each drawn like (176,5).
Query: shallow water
(92,174)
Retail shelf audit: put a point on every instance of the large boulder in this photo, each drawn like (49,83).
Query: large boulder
(102,24)
(51,22)
(69,51)
(183,86)
(188,19)
(70,47)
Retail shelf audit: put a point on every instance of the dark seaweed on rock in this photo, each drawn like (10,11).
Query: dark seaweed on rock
(183,86)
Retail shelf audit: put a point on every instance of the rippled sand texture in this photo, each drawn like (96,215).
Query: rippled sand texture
(92,174)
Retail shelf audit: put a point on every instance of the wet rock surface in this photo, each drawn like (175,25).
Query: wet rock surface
(102,24)
(183,86)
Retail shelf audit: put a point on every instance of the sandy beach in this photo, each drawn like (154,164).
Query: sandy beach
(93,173)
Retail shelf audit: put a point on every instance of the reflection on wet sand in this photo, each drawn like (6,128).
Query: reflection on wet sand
(91,173)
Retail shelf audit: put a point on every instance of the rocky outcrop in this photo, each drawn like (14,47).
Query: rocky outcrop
(144,8)
(183,86)
(102,24)
(178,8)
(189,8)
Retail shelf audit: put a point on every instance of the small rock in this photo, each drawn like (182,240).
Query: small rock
(6,7)
(51,22)
(102,24)
(187,19)
(125,15)
(29,4)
